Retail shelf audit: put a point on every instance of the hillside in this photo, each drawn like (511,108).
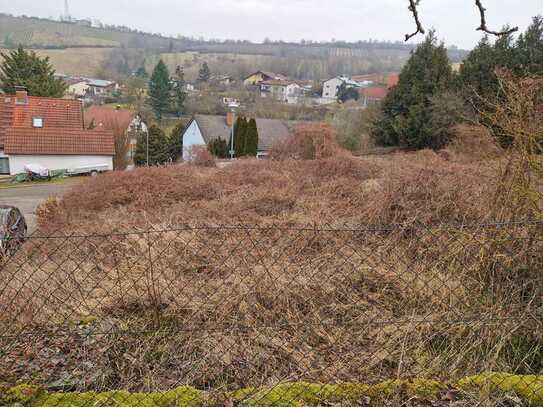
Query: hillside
(315,61)
(41,33)
(76,61)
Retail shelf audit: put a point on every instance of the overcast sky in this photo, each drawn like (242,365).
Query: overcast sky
(290,20)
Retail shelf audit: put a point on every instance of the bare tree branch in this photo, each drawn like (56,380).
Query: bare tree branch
(484,27)
(420,29)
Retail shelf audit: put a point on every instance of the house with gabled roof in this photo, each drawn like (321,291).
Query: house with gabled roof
(281,90)
(203,129)
(330,88)
(256,78)
(49,132)
(101,87)
(108,118)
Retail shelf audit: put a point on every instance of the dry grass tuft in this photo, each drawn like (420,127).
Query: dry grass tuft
(473,143)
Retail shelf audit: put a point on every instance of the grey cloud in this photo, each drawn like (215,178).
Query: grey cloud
(455,20)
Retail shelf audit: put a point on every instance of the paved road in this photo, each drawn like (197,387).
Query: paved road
(28,198)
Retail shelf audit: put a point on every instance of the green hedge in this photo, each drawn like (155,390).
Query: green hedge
(529,388)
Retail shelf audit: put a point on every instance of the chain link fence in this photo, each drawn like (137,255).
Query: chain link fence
(275,316)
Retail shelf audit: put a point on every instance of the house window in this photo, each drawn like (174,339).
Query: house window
(37,122)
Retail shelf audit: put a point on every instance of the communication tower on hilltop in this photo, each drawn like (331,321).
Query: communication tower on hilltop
(66,16)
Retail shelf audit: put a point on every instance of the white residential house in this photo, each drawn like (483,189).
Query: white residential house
(100,87)
(77,88)
(330,88)
(203,129)
(281,90)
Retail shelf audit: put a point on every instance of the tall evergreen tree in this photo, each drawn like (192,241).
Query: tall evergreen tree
(205,73)
(529,50)
(175,142)
(240,137)
(25,68)
(160,90)
(252,139)
(179,91)
(523,57)
(406,111)
(219,148)
(477,73)
(159,148)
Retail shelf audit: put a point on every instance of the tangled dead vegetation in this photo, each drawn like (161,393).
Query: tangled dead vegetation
(335,190)
(235,307)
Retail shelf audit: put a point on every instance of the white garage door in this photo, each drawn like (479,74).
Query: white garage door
(4,165)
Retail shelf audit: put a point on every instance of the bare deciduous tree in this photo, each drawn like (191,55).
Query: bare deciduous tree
(413,4)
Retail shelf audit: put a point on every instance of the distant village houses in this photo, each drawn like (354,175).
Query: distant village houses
(281,90)
(372,88)
(87,88)
(256,78)
(100,87)
(77,88)
(331,87)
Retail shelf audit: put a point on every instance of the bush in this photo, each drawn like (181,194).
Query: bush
(201,157)
(311,141)
(352,127)
(219,148)
(471,143)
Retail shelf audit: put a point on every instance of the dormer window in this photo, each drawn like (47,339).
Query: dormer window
(37,122)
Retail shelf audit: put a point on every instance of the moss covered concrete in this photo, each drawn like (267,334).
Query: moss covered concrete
(299,394)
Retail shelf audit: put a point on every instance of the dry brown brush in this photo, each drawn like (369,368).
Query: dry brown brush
(420,287)
(516,120)
(235,307)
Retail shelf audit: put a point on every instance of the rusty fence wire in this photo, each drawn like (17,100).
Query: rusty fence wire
(275,316)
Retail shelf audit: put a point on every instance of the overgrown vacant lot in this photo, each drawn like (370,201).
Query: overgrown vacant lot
(304,296)
(337,190)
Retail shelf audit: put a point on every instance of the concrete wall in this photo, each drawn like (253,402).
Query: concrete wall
(330,88)
(192,137)
(57,162)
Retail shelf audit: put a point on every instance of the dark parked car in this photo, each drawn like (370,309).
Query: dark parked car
(12,230)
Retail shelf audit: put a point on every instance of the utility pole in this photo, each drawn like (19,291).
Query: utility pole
(232,150)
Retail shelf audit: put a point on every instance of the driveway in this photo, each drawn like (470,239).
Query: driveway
(27,198)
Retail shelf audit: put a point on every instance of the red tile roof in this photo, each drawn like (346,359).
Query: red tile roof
(6,117)
(375,92)
(392,80)
(105,117)
(62,132)
(56,113)
(59,142)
